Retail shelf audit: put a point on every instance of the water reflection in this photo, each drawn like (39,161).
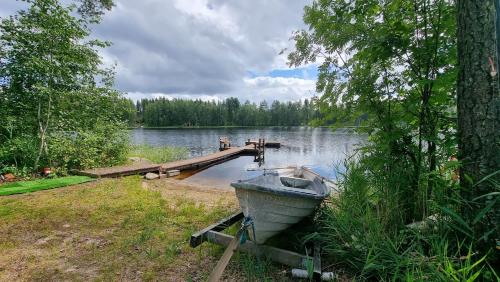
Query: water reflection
(318,148)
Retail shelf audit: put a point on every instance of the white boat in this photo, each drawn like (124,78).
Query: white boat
(278,199)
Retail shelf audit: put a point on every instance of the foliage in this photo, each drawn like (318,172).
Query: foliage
(18,172)
(104,145)
(354,231)
(159,154)
(51,81)
(94,9)
(179,112)
(396,62)
(128,113)
(18,151)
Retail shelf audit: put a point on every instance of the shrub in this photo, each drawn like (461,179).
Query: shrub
(18,152)
(105,145)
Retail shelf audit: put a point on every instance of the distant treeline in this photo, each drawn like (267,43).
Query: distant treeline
(230,112)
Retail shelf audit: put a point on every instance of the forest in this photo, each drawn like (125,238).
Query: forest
(230,112)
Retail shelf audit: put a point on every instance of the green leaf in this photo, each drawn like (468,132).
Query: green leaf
(464,227)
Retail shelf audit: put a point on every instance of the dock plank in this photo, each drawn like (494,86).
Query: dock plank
(117,171)
(141,168)
(206,160)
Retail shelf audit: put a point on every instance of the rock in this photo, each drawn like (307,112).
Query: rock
(9,177)
(163,176)
(151,176)
(174,172)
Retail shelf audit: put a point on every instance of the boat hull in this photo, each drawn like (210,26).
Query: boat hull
(273,213)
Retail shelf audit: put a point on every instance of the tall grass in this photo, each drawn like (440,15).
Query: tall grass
(159,154)
(365,231)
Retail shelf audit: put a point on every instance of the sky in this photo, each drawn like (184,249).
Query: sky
(203,49)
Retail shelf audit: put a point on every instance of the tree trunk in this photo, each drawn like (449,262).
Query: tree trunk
(478,99)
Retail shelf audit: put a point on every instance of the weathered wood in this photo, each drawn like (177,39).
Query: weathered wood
(267,144)
(118,171)
(275,254)
(224,143)
(317,262)
(174,172)
(270,144)
(224,260)
(200,236)
(206,160)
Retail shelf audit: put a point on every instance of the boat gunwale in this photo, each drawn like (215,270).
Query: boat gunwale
(282,190)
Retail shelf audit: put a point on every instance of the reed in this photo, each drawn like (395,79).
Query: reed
(364,230)
(159,154)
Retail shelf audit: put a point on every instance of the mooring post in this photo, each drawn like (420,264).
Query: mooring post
(263,148)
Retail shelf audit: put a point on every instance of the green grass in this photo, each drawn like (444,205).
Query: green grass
(21,187)
(119,229)
(159,154)
(357,235)
(107,230)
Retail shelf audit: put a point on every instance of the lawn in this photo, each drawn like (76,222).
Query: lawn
(115,229)
(21,187)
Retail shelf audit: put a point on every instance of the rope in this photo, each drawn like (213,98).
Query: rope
(247,222)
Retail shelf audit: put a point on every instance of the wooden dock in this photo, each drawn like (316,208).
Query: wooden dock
(118,171)
(267,144)
(195,163)
(209,159)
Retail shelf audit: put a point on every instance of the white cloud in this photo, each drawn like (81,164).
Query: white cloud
(278,88)
(253,89)
(201,48)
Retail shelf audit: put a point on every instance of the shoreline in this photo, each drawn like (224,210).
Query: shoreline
(241,126)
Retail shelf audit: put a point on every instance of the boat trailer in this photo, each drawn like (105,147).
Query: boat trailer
(298,262)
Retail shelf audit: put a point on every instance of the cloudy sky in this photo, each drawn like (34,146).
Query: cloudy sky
(208,49)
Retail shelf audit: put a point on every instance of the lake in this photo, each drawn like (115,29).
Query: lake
(321,149)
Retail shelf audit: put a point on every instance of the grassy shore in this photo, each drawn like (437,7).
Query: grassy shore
(116,229)
(159,154)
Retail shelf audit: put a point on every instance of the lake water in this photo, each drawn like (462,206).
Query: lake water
(321,149)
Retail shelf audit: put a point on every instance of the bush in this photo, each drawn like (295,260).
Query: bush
(105,145)
(18,152)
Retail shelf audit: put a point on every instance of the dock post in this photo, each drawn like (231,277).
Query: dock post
(224,143)
(263,148)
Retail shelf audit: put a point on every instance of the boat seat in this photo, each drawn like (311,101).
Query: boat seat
(295,182)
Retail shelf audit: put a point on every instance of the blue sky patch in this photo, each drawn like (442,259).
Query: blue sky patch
(309,72)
